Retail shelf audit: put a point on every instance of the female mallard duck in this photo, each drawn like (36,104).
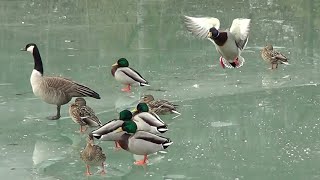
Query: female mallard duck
(126,75)
(159,106)
(93,155)
(82,114)
(54,90)
(108,132)
(273,57)
(229,43)
(148,121)
(141,142)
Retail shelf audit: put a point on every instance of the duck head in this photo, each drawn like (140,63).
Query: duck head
(213,33)
(125,115)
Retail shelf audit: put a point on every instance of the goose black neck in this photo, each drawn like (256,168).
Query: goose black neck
(37,60)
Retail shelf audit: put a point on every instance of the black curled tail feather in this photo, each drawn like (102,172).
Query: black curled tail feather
(167,144)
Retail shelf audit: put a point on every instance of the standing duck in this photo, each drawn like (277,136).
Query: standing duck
(229,43)
(273,57)
(141,142)
(93,155)
(83,114)
(159,106)
(54,90)
(108,132)
(126,75)
(148,121)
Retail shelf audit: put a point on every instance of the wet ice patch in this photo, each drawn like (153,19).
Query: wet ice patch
(221,124)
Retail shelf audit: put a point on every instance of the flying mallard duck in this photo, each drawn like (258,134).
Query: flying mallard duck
(93,155)
(126,75)
(141,142)
(82,114)
(148,121)
(108,132)
(229,43)
(159,106)
(54,90)
(273,57)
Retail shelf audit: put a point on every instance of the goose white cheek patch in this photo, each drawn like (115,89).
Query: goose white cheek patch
(30,49)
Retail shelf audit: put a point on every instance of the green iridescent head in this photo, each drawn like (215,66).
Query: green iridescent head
(142,107)
(125,115)
(123,62)
(129,127)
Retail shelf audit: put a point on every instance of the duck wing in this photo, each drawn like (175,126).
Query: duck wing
(89,117)
(108,127)
(200,26)
(133,74)
(146,136)
(240,30)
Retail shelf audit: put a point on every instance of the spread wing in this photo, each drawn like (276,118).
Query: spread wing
(240,30)
(200,26)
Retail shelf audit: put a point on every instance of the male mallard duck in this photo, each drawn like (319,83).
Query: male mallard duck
(108,132)
(229,43)
(273,57)
(82,114)
(148,121)
(126,75)
(141,142)
(93,155)
(54,90)
(159,106)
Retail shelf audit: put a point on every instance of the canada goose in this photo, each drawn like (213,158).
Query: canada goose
(54,90)
(273,57)
(83,115)
(126,75)
(93,155)
(229,43)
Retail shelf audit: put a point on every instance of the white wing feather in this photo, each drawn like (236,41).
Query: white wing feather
(240,29)
(200,26)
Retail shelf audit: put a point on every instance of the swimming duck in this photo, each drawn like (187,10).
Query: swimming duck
(229,43)
(148,121)
(141,142)
(82,114)
(107,132)
(273,57)
(159,106)
(93,155)
(126,75)
(54,90)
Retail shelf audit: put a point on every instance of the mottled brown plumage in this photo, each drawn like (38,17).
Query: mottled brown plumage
(93,155)
(160,106)
(83,114)
(273,57)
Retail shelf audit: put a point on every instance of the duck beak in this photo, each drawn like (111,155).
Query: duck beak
(23,49)
(115,64)
(119,130)
(134,110)
(209,34)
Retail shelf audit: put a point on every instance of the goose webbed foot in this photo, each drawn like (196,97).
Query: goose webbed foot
(56,117)
(53,117)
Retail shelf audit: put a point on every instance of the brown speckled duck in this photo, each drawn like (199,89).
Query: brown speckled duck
(159,106)
(229,43)
(273,57)
(93,155)
(83,114)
